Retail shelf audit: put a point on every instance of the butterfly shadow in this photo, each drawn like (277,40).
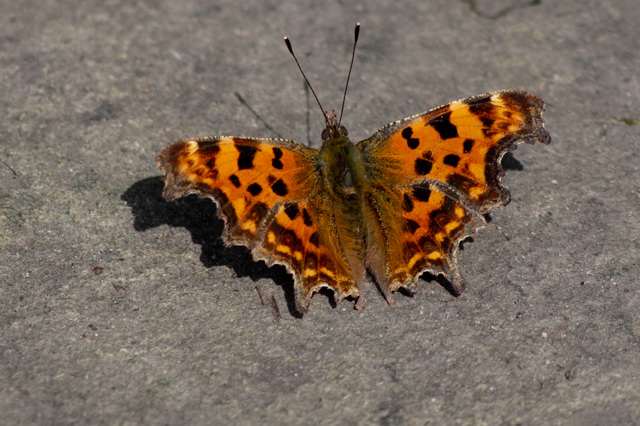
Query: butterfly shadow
(198,216)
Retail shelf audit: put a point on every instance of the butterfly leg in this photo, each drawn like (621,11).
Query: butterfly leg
(359,274)
(388,295)
(360,303)
(457,282)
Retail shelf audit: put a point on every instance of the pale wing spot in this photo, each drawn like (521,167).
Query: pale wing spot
(281,248)
(496,99)
(416,257)
(249,225)
(328,272)
(434,255)
(451,226)
(239,206)
(310,273)
(476,192)
(191,147)
(271,237)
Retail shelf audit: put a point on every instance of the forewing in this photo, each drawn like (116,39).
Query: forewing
(441,170)
(266,192)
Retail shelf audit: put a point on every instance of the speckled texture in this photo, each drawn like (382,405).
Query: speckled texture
(119,308)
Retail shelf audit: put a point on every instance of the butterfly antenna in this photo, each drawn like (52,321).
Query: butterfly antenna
(288,43)
(353,55)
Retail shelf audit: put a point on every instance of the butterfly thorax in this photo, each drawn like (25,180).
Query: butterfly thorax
(341,165)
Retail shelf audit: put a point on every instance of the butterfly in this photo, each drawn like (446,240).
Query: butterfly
(394,205)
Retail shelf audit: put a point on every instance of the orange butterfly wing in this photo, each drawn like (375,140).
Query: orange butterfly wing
(433,175)
(273,201)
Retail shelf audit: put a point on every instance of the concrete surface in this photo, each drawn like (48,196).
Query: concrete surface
(119,308)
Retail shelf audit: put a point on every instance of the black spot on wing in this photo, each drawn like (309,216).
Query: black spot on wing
(247,154)
(280,188)
(411,142)
(467,145)
(306,218)
(313,239)
(422,167)
(411,225)
(254,189)
(292,210)
(277,154)
(422,193)
(451,160)
(235,181)
(407,203)
(444,127)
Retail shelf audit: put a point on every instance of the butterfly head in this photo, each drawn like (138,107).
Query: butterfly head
(333,130)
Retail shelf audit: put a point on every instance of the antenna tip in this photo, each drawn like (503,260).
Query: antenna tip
(357,31)
(288,43)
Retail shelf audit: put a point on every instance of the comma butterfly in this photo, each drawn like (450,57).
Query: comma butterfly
(396,204)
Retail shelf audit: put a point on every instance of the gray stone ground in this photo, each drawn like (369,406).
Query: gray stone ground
(119,308)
